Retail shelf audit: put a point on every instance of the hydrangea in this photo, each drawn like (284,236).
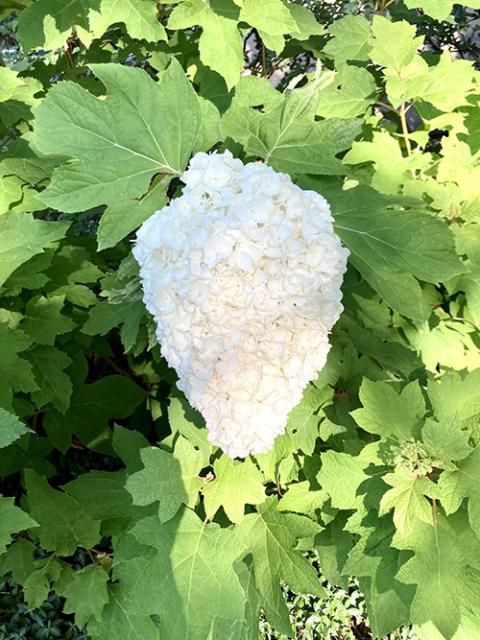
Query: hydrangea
(242,274)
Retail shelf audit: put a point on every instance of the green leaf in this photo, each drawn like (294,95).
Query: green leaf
(392,169)
(271,16)
(190,424)
(464,482)
(15,372)
(306,22)
(438,9)
(55,386)
(36,588)
(446,440)
(303,420)
(388,413)
(21,237)
(278,458)
(349,93)
(11,428)
(377,562)
(48,23)
(115,158)
(19,560)
(456,394)
(187,570)
(106,316)
(122,218)
(428,83)
(350,39)
(11,192)
(340,476)
(138,16)
(394,43)
(91,408)
(12,520)
(333,545)
(389,247)
(170,479)
(407,499)
(271,536)
(86,594)
(63,525)
(301,498)
(44,321)
(286,135)
(235,485)
(103,496)
(27,167)
(118,623)
(446,563)
(17,96)
(220,44)
(127,444)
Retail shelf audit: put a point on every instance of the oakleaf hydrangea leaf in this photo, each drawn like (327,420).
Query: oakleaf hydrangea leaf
(407,498)
(86,594)
(286,135)
(54,385)
(463,482)
(103,496)
(351,39)
(21,237)
(271,16)
(17,96)
(220,45)
(394,43)
(44,321)
(438,9)
(48,23)
(63,525)
(389,247)
(118,623)
(113,162)
(446,440)
(11,428)
(187,570)
(348,95)
(138,16)
(12,520)
(36,588)
(91,408)
(15,371)
(386,412)
(170,479)
(340,476)
(235,485)
(271,536)
(300,497)
(445,563)
(456,394)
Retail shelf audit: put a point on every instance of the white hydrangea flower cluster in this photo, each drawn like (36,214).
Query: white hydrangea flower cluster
(242,274)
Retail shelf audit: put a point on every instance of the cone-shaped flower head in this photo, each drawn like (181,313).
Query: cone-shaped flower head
(242,274)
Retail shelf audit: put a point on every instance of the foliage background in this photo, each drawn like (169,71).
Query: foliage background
(375,104)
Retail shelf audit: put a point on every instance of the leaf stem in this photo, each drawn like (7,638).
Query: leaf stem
(383,5)
(402,113)
(384,105)
(264,61)
(90,555)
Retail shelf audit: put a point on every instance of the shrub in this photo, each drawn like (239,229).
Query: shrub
(101,456)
